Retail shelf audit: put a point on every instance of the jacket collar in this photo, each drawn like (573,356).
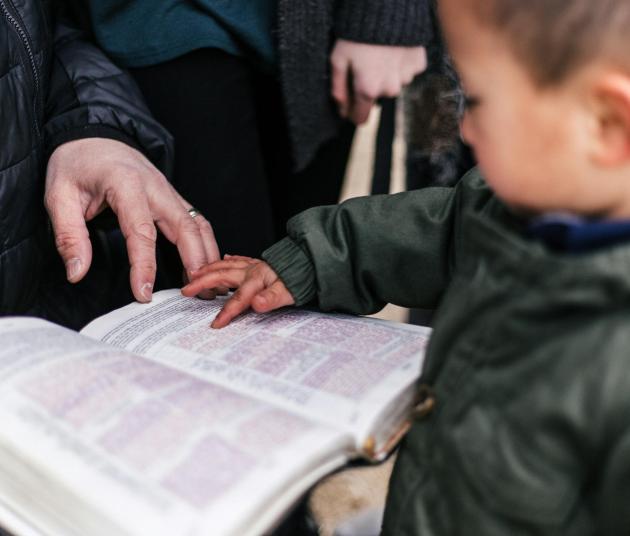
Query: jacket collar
(599,277)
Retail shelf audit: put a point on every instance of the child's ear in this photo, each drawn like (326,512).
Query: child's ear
(612,98)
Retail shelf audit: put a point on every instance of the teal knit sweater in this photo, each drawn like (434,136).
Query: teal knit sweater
(145,32)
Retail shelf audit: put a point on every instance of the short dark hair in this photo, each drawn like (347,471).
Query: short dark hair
(554,38)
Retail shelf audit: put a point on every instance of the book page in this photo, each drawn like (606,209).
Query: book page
(102,441)
(341,369)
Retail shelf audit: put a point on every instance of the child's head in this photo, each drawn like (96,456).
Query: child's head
(548,83)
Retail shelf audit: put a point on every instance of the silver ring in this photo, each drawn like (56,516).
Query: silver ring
(193,212)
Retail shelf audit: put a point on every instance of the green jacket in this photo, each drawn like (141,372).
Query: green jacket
(528,369)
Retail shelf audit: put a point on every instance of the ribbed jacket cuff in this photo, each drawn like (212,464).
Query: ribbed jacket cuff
(295,269)
(385,22)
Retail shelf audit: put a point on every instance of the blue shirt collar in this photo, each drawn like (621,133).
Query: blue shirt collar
(573,234)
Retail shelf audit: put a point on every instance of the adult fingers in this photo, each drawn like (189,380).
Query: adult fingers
(271,298)
(422,60)
(206,231)
(340,84)
(136,224)
(392,87)
(361,108)
(211,253)
(412,68)
(180,229)
(170,212)
(208,239)
(71,234)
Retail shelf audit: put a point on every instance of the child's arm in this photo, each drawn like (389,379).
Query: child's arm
(359,255)
(367,252)
(257,287)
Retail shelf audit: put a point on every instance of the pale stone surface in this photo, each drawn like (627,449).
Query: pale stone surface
(348,492)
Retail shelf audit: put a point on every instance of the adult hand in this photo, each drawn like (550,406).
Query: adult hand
(258,287)
(363,73)
(86,176)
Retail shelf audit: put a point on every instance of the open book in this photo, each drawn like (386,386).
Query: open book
(152,423)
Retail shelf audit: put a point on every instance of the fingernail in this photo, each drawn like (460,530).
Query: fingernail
(73,268)
(262,300)
(227,256)
(146,291)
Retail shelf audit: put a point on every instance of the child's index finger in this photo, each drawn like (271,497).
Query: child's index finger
(239,302)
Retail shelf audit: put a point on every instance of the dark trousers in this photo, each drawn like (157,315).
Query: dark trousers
(232,153)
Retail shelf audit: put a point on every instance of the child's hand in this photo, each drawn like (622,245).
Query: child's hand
(257,286)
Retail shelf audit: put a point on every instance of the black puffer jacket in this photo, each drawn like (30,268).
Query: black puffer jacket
(54,88)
